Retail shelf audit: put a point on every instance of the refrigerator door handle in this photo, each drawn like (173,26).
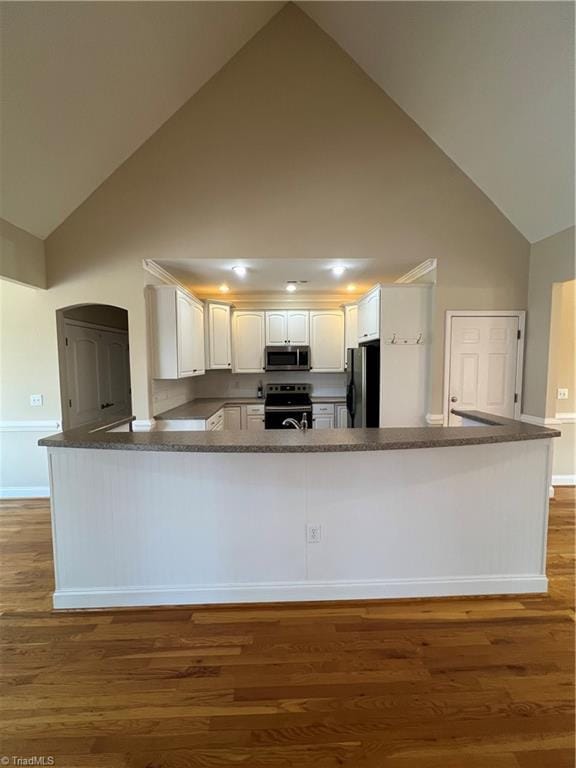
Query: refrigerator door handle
(351,400)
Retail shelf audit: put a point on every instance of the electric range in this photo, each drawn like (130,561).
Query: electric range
(285,401)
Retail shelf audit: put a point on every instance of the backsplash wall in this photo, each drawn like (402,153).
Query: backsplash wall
(170,393)
(227,384)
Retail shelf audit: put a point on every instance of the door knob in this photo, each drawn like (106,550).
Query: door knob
(453,399)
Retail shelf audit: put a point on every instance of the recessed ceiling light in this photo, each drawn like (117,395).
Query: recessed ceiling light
(351,287)
(290,287)
(338,270)
(239,271)
(223,288)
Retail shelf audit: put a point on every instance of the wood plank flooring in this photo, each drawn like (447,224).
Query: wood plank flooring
(455,683)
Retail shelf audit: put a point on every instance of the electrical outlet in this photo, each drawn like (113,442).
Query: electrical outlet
(36,400)
(313,533)
(562,393)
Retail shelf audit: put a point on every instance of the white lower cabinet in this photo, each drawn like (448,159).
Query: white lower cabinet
(254,421)
(323,416)
(215,423)
(341,416)
(233,417)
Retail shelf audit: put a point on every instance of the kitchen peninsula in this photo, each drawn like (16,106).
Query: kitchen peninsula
(168,518)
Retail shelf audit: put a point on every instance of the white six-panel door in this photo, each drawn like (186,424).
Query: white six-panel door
(483,365)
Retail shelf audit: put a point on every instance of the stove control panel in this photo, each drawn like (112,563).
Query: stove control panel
(287,389)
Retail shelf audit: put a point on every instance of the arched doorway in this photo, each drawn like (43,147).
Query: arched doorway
(94,364)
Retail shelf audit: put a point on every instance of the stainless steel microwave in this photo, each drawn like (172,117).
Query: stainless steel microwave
(289,358)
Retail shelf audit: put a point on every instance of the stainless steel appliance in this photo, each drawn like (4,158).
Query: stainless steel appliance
(287,401)
(288,358)
(363,385)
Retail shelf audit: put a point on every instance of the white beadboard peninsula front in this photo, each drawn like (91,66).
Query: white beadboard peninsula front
(171,518)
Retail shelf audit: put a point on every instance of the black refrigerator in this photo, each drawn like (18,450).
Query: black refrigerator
(363,385)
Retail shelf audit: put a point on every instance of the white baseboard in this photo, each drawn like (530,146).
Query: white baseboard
(563,479)
(25,492)
(143,425)
(540,421)
(434,419)
(566,418)
(298,591)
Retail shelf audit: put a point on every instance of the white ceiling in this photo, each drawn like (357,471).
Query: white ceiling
(492,83)
(269,276)
(85,84)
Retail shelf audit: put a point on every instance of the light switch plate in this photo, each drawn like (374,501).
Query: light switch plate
(36,400)
(562,393)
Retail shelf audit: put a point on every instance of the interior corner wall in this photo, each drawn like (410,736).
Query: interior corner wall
(291,150)
(22,257)
(552,260)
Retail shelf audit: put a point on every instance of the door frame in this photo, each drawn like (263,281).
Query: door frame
(451,313)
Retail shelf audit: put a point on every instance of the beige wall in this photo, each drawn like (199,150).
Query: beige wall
(290,151)
(564,346)
(22,256)
(552,260)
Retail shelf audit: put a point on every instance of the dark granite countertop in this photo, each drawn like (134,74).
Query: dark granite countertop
(204,407)
(493,430)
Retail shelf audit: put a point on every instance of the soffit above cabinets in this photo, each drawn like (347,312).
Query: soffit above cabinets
(266,278)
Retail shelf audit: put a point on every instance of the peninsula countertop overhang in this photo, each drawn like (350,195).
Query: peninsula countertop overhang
(494,429)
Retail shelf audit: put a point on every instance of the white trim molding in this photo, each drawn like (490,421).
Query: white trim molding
(296,591)
(566,418)
(450,313)
(434,419)
(422,269)
(25,492)
(539,421)
(29,426)
(563,479)
(143,425)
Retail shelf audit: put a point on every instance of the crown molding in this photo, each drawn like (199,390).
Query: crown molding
(155,269)
(422,269)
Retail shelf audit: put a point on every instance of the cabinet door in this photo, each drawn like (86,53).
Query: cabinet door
(297,327)
(198,355)
(369,316)
(323,422)
(255,422)
(186,334)
(341,417)
(233,417)
(276,328)
(219,336)
(248,341)
(351,326)
(327,340)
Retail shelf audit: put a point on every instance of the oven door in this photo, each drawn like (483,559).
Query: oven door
(273,417)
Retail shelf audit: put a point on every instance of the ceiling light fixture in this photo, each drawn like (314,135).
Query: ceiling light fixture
(223,288)
(338,270)
(239,271)
(351,287)
(290,287)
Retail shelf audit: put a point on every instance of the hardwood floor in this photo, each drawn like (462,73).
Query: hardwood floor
(455,683)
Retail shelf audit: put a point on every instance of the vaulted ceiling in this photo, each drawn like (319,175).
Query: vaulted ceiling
(85,84)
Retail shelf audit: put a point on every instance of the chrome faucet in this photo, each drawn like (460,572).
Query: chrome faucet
(302,425)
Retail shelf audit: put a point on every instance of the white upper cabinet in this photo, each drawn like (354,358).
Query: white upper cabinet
(369,316)
(351,326)
(287,327)
(248,341)
(218,337)
(177,329)
(327,340)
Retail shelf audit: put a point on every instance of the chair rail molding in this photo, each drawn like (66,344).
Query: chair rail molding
(26,425)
